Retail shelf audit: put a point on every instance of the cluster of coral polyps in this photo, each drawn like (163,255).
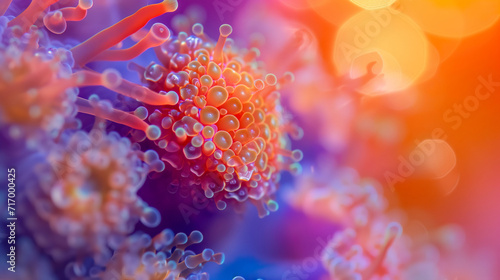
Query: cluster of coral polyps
(87,194)
(211,110)
(365,248)
(35,83)
(372,244)
(352,255)
(228,133)
(139,256)
(346,198)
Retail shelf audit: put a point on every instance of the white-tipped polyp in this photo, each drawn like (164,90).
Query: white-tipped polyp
(221,205)
(151,217)
(393,231)
(148,258)
(141,112)
(85,4)
(197,29)
(172,265)
(259,84)
(272,205)
(288,77)
(173,97)
(225,30)
(207,254)
(111,78)
(271,79)
(196,236)
(165,238)
(219,258)
(144,240)
(153,132)
(94,99)
(150,156)
(158,166)
(297,155)
(209,193)
(180,238)
(161,256)
(160,32)
(55,22)
(171,5)
(192,262)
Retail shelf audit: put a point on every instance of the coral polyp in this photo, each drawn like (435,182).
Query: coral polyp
(163,257)
(36,87)
(351,255)
(349,199)
(87,194)
(56,20)
(228,133)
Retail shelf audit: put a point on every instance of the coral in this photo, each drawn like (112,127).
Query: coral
(354,255)
(113,35)
(87,194)
(36,87)
(211,110)
(372,244)
(164,256)
(84,203)
(365,248)
(228,133)
(345,198)
(56,20)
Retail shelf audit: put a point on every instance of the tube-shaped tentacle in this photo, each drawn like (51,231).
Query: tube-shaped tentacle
(31,14)
(225,30)
(157,35)
(113,115)
(111,36)
(4,5)
(112,80)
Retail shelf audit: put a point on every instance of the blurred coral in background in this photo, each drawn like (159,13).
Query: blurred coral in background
(362,133)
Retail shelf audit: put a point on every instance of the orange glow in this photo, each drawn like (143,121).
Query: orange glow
(452,18)
(334,11)
(389,36)
(373,4)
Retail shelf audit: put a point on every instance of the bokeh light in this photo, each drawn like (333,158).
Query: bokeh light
(452,18)
(373,4)
(388,36)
